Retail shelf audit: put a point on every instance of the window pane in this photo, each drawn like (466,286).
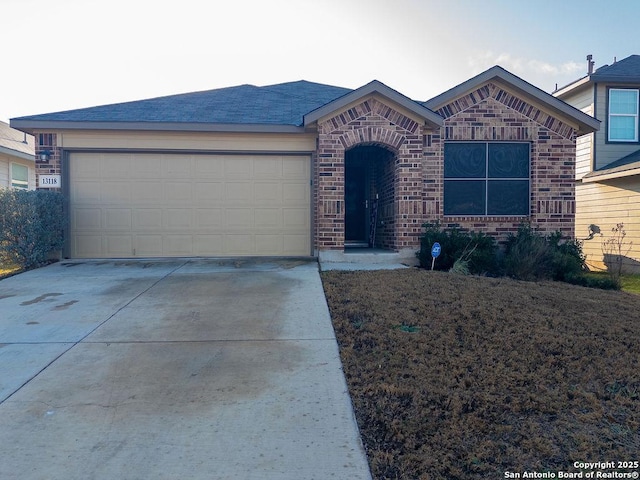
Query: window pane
(623,102)
(465,160)
(508,160)
(19,173)
(508,197)
(622,128)
(464,197)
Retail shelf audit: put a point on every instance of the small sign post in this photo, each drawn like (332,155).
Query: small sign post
(435,252)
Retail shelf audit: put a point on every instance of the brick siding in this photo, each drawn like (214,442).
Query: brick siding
(490,113)
(46,141)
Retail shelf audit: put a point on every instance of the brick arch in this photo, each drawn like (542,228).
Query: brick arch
(378,136)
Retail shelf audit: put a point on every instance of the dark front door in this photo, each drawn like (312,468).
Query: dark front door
(355,199)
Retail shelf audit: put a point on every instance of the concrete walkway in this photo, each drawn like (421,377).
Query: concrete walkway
(174,369)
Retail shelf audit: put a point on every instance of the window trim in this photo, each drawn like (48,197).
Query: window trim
(19,184)
(636,117)
(486,181)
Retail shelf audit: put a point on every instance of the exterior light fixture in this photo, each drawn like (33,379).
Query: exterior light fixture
(44,155)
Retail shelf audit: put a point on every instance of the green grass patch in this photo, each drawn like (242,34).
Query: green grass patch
(629,283)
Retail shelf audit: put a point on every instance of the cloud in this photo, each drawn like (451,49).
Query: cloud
(523,66)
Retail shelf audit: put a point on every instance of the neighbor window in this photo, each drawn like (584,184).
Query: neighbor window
(483,178)
(623,115)
(19,176)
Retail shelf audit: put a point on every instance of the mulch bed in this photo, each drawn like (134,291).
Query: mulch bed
(462,377)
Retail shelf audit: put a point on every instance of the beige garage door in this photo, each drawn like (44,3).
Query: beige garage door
(157,205)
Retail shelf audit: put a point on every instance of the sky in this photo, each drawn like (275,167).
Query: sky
(67,54)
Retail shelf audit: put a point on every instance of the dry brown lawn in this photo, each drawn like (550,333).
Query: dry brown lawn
(462,377)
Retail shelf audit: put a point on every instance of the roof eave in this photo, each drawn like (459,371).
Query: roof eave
(17,153)
(370,88)
(586,123)
(30,126)
(572,86)
(599,176)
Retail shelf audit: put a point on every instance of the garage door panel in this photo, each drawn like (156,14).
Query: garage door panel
(241,243)
(116,166)
(178,192)
(268,244)
(294,243)
(292,168)
(86,219)
(269,193)
(239,193)
(117,218)
(209,193)
(177,218)
(86,192)
(145,204)
(147,192)
(147,219)
(239,218)
(295,193)
(88,246)
(209,245)
(148,245)
(267,168)
(209,218)
(87,166)
(236,166)
(118,245)
(177,245)
(177,166)
(294,217)
(209,167)
(116,192)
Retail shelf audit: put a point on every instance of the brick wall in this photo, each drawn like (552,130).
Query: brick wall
(45,141)
(493,114)
(371,122)
(488,114)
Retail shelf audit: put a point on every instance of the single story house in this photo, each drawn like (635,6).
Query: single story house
(17,166)
(608,162)
(305,169)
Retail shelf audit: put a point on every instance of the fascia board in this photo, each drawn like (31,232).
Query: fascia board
(32,125)
(16,153)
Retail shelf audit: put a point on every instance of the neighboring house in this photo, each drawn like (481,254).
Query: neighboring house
(608,161)
(17,166)
(300,169)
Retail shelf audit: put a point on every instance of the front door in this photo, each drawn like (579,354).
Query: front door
(356,203)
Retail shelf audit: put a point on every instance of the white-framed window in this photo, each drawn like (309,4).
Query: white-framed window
(19,176)
(623,115)
(487,179)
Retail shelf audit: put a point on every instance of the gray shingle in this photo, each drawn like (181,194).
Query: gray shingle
(627,68)
(282,104)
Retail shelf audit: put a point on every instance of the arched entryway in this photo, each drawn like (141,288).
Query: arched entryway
(369,192)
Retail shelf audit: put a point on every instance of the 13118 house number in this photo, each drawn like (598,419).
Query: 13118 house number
(49,181)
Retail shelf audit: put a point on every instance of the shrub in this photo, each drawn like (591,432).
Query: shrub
(476,251)
(31,226)
(601,282)
(532,256)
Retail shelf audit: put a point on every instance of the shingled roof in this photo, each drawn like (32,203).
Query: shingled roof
(16,143)
(282,104)
(626,70)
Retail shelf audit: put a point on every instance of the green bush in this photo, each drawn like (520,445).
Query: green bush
(476,251)
(31,226)
(601,282)
(532,256)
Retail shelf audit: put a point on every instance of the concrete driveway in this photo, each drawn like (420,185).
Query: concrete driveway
(173,369)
